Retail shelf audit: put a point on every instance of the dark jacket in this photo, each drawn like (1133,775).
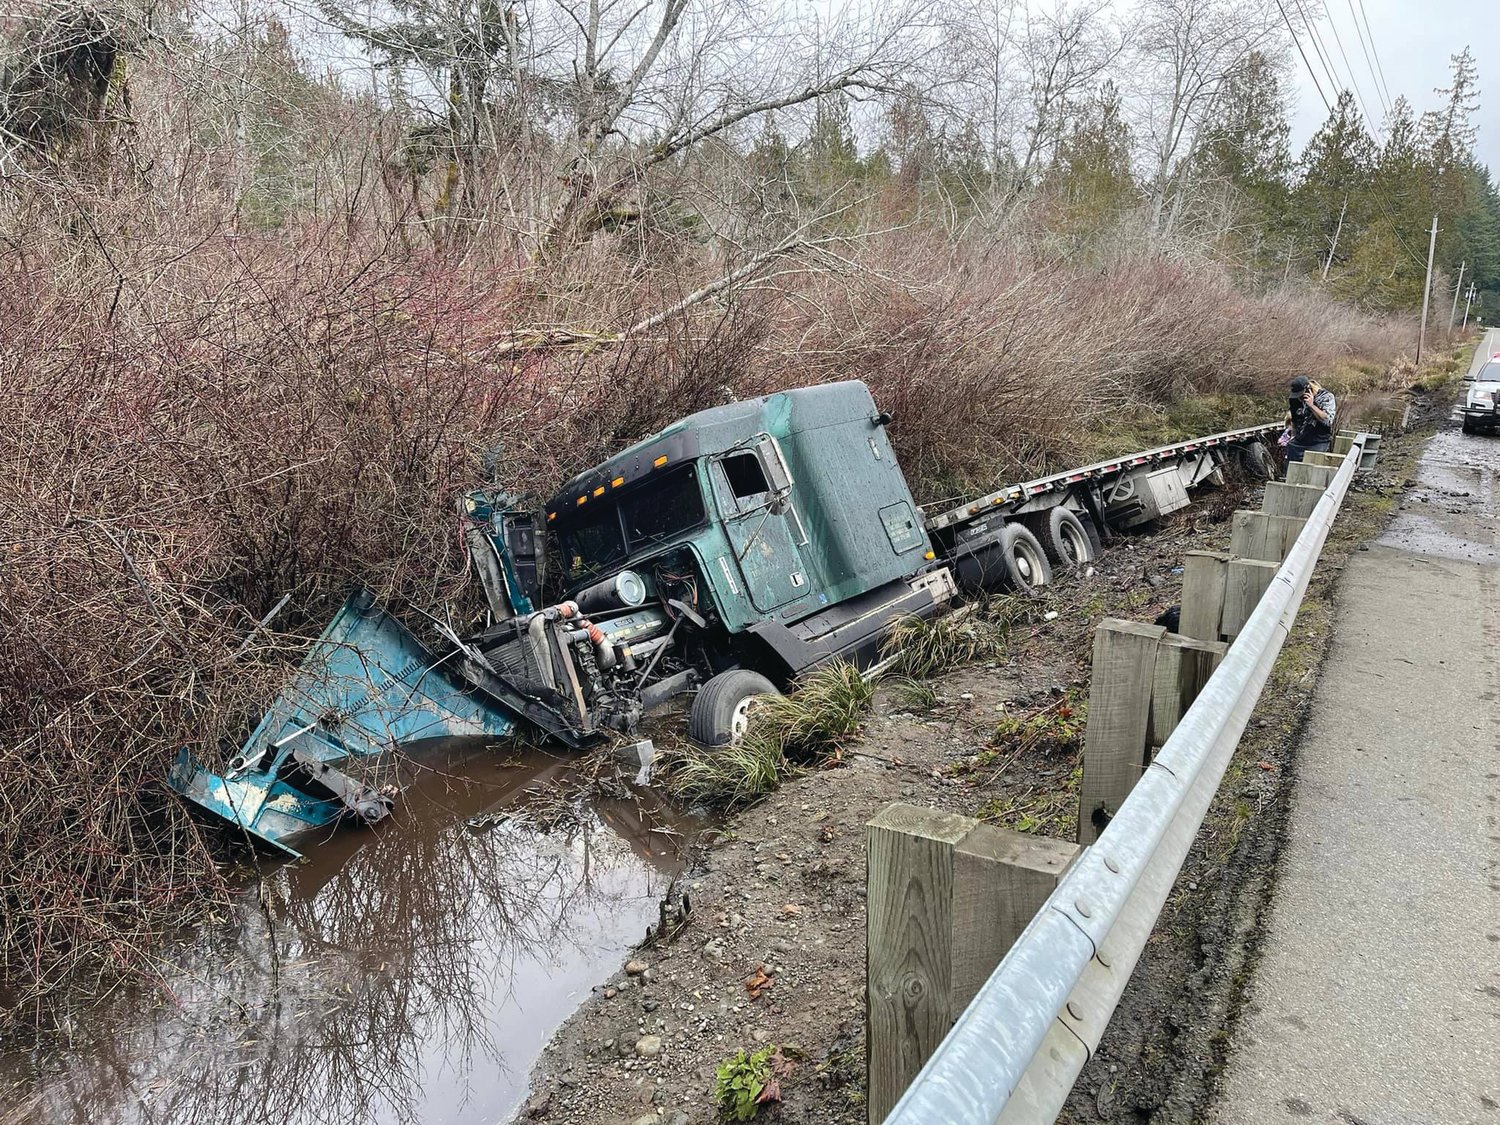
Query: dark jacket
(1307,428)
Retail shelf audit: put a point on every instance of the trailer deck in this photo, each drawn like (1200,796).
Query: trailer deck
(1012,498)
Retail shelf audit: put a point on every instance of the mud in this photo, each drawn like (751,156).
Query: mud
(412,973)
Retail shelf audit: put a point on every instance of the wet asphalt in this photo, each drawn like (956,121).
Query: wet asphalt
(1376,999)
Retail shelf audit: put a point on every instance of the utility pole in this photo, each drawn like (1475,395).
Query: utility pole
(1333,249)
(1427,289)
(1456,290)
(1468,304)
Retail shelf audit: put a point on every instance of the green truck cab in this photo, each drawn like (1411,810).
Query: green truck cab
(782,525)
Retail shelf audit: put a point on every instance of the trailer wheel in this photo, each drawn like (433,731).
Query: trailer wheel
(1257,461)
(1026,566)
(721,710)
(1065,538)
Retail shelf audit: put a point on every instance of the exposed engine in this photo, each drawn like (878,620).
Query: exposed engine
(596,661)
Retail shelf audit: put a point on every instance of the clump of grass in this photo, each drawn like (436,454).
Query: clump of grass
(785,732)
(913,695)
(925,647)
(816,718)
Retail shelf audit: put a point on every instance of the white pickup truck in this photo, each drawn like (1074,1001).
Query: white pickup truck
(1481,407)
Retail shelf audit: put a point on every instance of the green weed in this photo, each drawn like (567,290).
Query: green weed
(1055,729)
(785,731)
(925,647)
(744,1082)
(1043,812)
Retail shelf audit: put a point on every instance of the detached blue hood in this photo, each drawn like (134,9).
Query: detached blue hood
(324,750)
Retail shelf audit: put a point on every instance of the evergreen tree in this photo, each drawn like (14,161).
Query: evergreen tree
(1090,179)
(1382,266)
(1336,169)
(1247,140)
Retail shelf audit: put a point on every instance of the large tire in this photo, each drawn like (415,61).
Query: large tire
(1065,537)
(719,711)
(1025,561)
(1257,462)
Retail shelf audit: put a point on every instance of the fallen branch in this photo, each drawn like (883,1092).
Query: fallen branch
(543,339)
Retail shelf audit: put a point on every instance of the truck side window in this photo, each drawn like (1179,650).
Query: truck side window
(747,480)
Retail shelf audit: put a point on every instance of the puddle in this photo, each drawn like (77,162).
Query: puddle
(409,974)
(1451,511)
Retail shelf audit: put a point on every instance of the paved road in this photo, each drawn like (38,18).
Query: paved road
(1377,997)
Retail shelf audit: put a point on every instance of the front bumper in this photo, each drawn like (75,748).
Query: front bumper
(1481,415)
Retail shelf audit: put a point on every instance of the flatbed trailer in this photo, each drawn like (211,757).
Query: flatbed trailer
(1017,533)
(1046,491)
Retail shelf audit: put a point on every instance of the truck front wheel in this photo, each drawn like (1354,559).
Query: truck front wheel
(720,713)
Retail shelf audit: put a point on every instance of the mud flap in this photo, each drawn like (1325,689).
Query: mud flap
(366,687)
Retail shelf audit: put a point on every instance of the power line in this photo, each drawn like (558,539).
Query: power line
(1310,72)
(1327,58)
(1376,52)
(1334,82)
(1339,42)
(1385,99)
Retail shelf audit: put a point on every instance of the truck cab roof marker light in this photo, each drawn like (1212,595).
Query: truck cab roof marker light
(584,499)
(599,491)
(659,462)
(617,482)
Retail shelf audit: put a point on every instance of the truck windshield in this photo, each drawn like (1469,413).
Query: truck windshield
(608,530)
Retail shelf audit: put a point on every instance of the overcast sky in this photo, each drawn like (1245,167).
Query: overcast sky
(1413,41)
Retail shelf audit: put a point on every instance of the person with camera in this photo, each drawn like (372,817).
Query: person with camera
(1312,418)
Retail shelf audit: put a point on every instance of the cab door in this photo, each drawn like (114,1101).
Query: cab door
(761,526)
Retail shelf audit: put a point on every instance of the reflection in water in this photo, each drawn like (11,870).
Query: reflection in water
(409,974)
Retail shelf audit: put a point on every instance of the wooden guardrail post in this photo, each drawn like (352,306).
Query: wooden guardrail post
(1300,472)
(947,896)
(1245,580)
(1202,595)
(1183,666)
(1114,743)
(1290,499)
(1256,535)
(1344,441)
(1325,460)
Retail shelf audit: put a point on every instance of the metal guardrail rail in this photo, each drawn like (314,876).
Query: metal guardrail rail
(1017,1049)
(1009,494)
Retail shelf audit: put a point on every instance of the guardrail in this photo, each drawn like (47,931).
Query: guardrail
(1015,1052)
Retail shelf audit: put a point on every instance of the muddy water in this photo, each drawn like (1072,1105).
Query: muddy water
(408,974)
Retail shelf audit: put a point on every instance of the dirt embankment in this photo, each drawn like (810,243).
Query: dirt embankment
(772,949)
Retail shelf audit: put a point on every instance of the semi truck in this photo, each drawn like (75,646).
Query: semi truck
(718,559)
